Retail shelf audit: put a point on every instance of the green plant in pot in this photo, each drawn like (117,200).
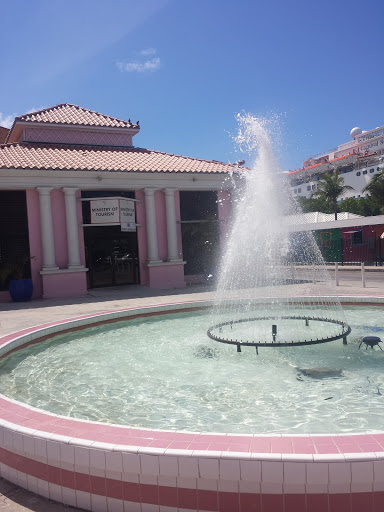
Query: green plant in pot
(17,274)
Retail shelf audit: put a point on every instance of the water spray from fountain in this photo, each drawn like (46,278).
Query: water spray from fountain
(268,251)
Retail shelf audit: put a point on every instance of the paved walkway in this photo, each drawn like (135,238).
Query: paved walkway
(16,316)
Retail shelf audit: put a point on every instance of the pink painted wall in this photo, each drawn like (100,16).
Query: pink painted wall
(77,136)
(142,237)
(167,276)
(161,223)
(67,284)
(35,246)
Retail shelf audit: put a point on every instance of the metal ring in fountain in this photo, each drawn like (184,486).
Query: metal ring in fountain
(278,343)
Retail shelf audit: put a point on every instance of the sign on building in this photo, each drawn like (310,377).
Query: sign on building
(127,215)
(113,211)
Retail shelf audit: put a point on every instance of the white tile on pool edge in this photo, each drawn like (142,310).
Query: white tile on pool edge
(40,449)
(115,505)
(378,475)
(339,477)
(43,488)
(97,459)
(83,500)
(69,496)
(272,472)
(82,459)
(186,483)
(98,503)
(166,481)
(246,486)
(8,433)
(67,456)
(148,479)
(229,469)
(188,467)
(132,506)
(53,453)
(10,474)
(294,473)
(22,480)
(32,484)
(114,461)
(17,442)
(209,468)
(317,477)
(207,484)
(228,486)
(149,464)
(168,465)
(55,492)
(250,470)
(131,463)
(362,476)
(130,477)
(148,507)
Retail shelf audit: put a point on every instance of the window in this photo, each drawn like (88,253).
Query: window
(357,238)
(309,187)
(299,190)
(200,231)
(14,240)
(365,172)
(313,187)
(358,173)
(371,170)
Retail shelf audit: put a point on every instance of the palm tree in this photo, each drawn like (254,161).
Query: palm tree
(375,189)
(330,188)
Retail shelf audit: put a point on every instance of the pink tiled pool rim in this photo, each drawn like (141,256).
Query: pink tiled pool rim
(102,467)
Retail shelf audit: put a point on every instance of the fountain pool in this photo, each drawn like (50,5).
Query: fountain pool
(162,372)
(98,466)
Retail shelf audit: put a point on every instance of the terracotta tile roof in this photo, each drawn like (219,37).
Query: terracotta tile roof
(3,134)
(66,113)
(91,158)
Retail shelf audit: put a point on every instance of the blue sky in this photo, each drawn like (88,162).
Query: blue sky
(185,68)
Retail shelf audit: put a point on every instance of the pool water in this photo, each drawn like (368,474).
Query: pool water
(164,372)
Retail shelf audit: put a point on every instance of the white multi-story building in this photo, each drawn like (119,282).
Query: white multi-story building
(358,161)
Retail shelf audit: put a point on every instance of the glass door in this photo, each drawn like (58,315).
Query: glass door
(112,256)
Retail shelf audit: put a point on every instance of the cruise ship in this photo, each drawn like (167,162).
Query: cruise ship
(357,160)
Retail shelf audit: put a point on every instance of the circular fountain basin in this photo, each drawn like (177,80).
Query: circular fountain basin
(97,466)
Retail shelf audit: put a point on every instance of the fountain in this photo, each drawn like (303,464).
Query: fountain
(260,261)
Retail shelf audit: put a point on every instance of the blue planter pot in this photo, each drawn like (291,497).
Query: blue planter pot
(20,289)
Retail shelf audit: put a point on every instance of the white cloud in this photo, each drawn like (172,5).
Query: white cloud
(140,67)
(34,109)
(6,121)
(148,51)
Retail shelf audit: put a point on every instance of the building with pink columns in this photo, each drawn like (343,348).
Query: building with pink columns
(90,209)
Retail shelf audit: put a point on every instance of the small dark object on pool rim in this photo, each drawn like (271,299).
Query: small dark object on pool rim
(371,341)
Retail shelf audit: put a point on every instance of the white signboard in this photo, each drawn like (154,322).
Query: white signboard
(105,211)
(127,215)
(114,211)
